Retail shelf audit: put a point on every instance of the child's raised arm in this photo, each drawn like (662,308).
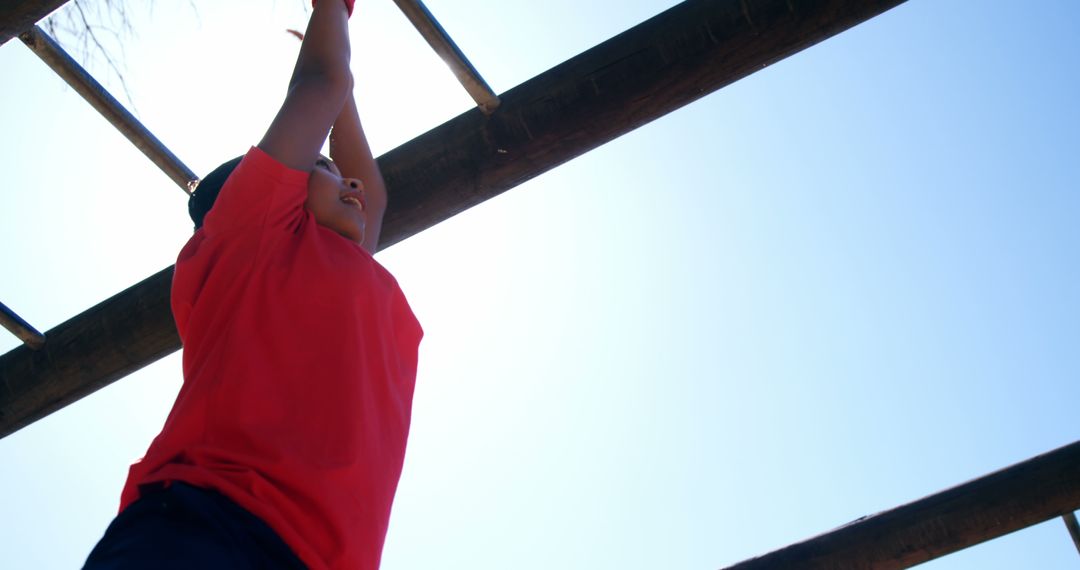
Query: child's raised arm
(320,84)
(350,151)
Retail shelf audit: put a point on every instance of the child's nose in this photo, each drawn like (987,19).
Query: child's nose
(354,183)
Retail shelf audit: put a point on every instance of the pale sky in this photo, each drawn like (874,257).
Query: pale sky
(839,285)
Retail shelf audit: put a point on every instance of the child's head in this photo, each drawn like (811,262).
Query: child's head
(337,203)
(206,192)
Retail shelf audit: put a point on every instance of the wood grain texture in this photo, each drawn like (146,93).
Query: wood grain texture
(640,75)
(1028,493)
(18,16)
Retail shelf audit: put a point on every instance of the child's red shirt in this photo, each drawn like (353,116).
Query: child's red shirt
(299,364)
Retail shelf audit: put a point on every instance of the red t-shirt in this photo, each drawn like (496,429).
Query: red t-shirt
(299,366)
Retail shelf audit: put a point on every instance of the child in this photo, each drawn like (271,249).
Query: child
(285,444)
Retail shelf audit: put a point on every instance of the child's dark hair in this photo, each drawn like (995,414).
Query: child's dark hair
(206,192)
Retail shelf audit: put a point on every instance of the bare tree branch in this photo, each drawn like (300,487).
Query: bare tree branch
(91,35)
(95,29)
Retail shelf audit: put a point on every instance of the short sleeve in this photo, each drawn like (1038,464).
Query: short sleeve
(261,192)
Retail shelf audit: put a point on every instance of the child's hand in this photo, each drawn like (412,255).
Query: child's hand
(348,5)
(320,83)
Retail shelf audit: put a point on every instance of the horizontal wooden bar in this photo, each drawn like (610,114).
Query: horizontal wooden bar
(108,341)
(18,16)
(20,328)
(650,70)
(444,45)
(84,84)
(1026,494)
(1074,529)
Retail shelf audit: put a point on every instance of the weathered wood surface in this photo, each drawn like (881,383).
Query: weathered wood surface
(642,74)
(1028,493)
(89,351)
(675,58)
(18,16)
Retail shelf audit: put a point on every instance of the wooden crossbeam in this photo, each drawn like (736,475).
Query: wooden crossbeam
(1028,493)
(440,41)
(132,329)
(18,16)
(99,98)
(642,74)
(1074,529)
(20,328)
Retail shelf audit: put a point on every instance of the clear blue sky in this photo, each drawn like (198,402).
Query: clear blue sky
(839,285)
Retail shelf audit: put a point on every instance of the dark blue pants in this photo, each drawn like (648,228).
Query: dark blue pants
(187,527)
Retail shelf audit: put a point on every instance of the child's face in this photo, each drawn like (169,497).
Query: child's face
(337,203)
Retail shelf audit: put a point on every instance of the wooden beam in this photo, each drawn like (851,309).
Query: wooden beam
(20,328)
(18,16)
(1074,529)
(104,103)
(1028,493)
(440,41)
(654,68)
(642,74)
(91,350)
